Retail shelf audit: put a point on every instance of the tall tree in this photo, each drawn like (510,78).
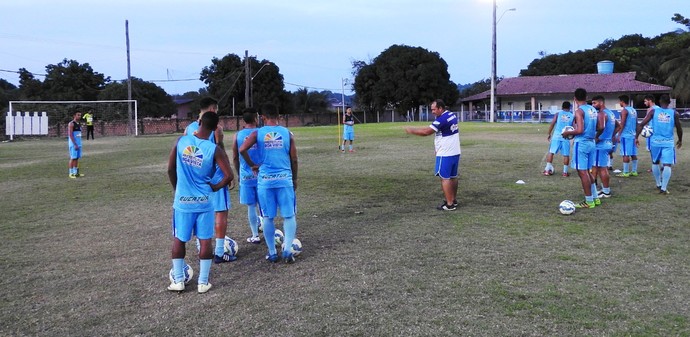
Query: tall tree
(29,87)
(404,77)
(69,80)
(678,69)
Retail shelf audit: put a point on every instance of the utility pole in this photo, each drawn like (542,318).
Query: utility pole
(247,80)
(129,83)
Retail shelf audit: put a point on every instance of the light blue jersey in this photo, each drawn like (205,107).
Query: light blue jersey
(630,127)
(195,166)
(605,139)
(563,119)
(247,177)
(274,145)
(589,118)
(221,198)
(663,123)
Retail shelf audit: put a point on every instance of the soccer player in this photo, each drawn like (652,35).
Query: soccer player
(663,121)
(220,198)
(607,126)
(74,145)
(562,119)
(447,145)
(277,178)
(627,138)
(585,124)
(247,178)
(191,166)
(88,117)
(348,129)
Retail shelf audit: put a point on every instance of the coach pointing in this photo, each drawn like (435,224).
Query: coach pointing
(447,147)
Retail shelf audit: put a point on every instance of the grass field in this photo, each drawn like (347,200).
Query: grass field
(91,256)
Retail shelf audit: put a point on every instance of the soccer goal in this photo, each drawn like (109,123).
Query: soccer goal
(50,118)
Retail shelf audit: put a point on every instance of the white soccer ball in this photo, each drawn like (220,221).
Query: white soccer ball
(566,207)
(279,237)
(296,247)
(647,131)
(188,274)
(568,128)
(230,246)
(261,224)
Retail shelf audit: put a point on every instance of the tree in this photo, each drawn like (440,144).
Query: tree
(29,87)
(226,79)
(310,101)
(8,92)
(152,100)
(678,69)
(70,80)
(478,87)
(404,77)
(677,18)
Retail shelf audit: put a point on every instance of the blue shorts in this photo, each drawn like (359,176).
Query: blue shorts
(349,135)
(562,145)
(583,155)
(270,199)
(628,147)
(447,167)
(221,200)
(663,155)
(74,154)
(184,224)
(248,195)
(601,157)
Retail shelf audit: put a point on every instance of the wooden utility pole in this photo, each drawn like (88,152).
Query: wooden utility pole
(130,121)
(247,80)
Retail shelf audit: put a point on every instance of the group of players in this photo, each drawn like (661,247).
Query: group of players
(199,170)
(596,132)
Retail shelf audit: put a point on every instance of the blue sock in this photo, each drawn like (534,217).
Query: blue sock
(220,243)
(656,170)
(565,168)
(204,270)
(594,191)
(350,147)
(269,235)
(626,167)
(589,199)
(290,229)
(606,190)
(666,176)
(178,269)
(253,219)
(634,165)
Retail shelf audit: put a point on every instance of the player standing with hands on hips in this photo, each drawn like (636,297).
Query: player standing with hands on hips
(447,147)
(191,166)
(277,178)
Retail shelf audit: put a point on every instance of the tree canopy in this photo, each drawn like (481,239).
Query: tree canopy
(403,77)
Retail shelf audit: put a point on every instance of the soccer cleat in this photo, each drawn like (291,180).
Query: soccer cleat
(566,174)
(446,207)
(225,258)
(597,201)
(585,204)
(604,195)
(254,239)
(176,286)
(548,172)
(78,175)
(633,174)
(624,175)
(288,257)
(664,192)
(351,151)
(273,258)
(72,176)
(203,287)
(455,203)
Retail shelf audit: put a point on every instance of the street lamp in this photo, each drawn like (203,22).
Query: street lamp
(251,84)
(343,83)
(493,60)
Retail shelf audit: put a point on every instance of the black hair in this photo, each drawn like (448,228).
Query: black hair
(206,102)
(624,98)
(209,121)
(439,103)
(664,99)
(565,105)
(599,98)
(269,110)
(249,115)
(580,94)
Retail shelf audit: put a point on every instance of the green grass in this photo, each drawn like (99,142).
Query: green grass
(91,256)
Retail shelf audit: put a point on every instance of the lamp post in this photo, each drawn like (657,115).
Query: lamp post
(493,60)
(344,82)
(251,84)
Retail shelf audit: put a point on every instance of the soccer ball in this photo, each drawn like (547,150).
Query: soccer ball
(566,207)
(279,237)
(230,246)
(296,247)
(568,128)
(647,131)
(188,274)
(261,224)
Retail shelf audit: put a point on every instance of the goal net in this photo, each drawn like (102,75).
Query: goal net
(50,118)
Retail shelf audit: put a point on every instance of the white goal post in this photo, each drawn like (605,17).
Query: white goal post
(112,117)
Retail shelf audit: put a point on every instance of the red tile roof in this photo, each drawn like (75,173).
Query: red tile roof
(566,84)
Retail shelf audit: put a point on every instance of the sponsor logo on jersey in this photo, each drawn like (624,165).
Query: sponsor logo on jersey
(273,140)
(192,156)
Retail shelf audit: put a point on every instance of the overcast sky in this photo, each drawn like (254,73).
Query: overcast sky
(312,41)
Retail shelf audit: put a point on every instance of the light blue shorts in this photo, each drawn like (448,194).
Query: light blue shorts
(248,195)
(221,200)
(74,154)
(349,135)
(562,145)
(270,199)
(601,157)
(447,167)
(186,224)
(583,155)
(628,147)
(663,155)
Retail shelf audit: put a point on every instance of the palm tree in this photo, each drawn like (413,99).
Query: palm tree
(678,70)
